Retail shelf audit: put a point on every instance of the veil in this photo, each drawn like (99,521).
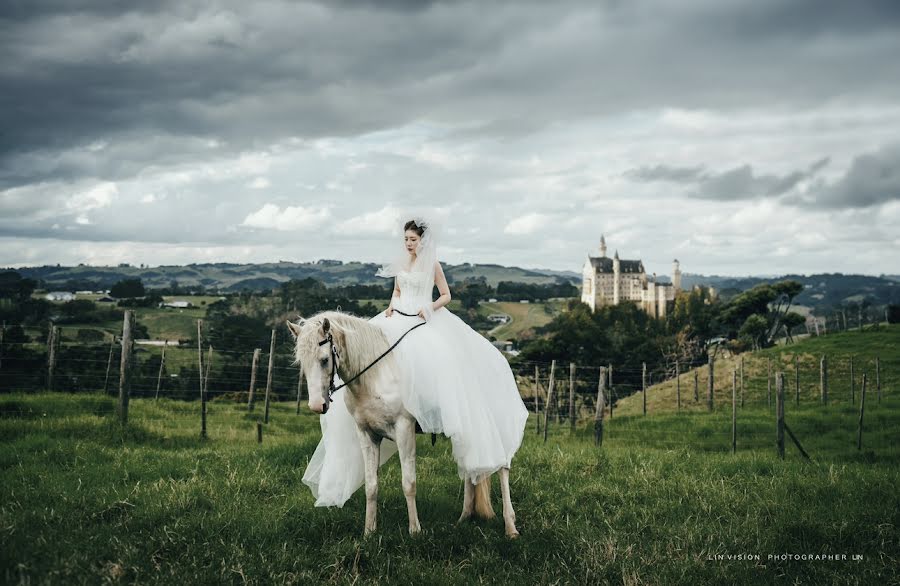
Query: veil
(426,252)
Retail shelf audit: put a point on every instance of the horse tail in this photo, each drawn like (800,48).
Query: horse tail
(483,506)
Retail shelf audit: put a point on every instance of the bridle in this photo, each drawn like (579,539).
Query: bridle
(329,339)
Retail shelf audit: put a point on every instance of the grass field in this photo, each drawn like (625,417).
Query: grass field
(524,316)
(85,501)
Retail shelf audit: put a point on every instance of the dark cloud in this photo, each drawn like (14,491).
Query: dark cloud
(247,74)
(737,183)
(665,173)
(871,180)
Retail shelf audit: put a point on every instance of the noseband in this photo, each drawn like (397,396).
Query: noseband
(334,355)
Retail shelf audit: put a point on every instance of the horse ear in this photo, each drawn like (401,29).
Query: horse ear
(294,328)
(326,325)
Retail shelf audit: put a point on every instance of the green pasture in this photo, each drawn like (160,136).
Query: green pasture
(85,500)
(881,341)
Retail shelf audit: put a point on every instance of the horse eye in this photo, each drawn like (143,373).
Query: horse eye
(324,361)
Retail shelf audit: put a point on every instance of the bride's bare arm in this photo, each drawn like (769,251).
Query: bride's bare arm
(443,288)
(394,297)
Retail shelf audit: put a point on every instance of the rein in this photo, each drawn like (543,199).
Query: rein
(330,341)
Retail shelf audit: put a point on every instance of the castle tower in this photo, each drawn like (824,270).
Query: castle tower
(602,246)
(676,275)
(661,302)
(616,279)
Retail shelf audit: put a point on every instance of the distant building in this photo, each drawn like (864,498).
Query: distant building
(505,346)
(180,304)
(329,262)
(498,317)
(611,281)
(106,299)
(59,296)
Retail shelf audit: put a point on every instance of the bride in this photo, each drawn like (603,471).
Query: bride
(455,382)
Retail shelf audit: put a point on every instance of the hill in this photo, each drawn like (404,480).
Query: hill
(821,291)
(882,342)
(225,277)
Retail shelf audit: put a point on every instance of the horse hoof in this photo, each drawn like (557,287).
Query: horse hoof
(462,518)
(512,534)
(415,530)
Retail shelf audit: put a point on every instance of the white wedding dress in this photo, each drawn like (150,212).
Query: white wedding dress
(458,384)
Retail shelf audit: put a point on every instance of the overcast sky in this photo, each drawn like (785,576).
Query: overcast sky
(756,137)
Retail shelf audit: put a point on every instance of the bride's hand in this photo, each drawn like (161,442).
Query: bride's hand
(425,312)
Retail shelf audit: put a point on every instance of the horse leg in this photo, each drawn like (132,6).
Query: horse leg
(406,443)
(370,457)
(468,500)
(509,515)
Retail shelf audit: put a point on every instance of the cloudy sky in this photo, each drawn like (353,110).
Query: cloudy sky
(756,137)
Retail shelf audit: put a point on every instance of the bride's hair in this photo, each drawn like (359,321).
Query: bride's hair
(411,225)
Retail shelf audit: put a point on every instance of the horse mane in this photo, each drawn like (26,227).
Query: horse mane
(358,342)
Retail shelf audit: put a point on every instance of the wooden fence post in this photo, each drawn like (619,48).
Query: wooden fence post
(205,392)
(862,408)
(598,414)
(112,345)
(644,386)
(797,376)
(696,385)
(742,380)
(710,383)
(125,367)
(734,411)
(299,388)
(537,401)
(51,355)
(678,385)
(258,432)
(852,388)
(572,397)
(269,377)
(200,371)
(779,414)
(253,378)
(549,398)
(878,378)
(209,351)
(612,392)
(823,379)
(162,365)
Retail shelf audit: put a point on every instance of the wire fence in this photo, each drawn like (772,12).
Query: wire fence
(558,394)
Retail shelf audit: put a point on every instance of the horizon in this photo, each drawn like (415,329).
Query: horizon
(525,268)
(239,133)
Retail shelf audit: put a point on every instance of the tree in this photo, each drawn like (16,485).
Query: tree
(893,314)
(754,330)
(16,288)
(128,288)
(789,322)
(785,292)
(471,291)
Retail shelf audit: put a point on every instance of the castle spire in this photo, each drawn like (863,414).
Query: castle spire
(602,246)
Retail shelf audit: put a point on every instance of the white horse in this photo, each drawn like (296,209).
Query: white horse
(332,341)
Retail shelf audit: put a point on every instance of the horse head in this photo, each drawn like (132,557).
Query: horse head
(319,345)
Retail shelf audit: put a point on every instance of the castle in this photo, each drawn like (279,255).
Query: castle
(610,281)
